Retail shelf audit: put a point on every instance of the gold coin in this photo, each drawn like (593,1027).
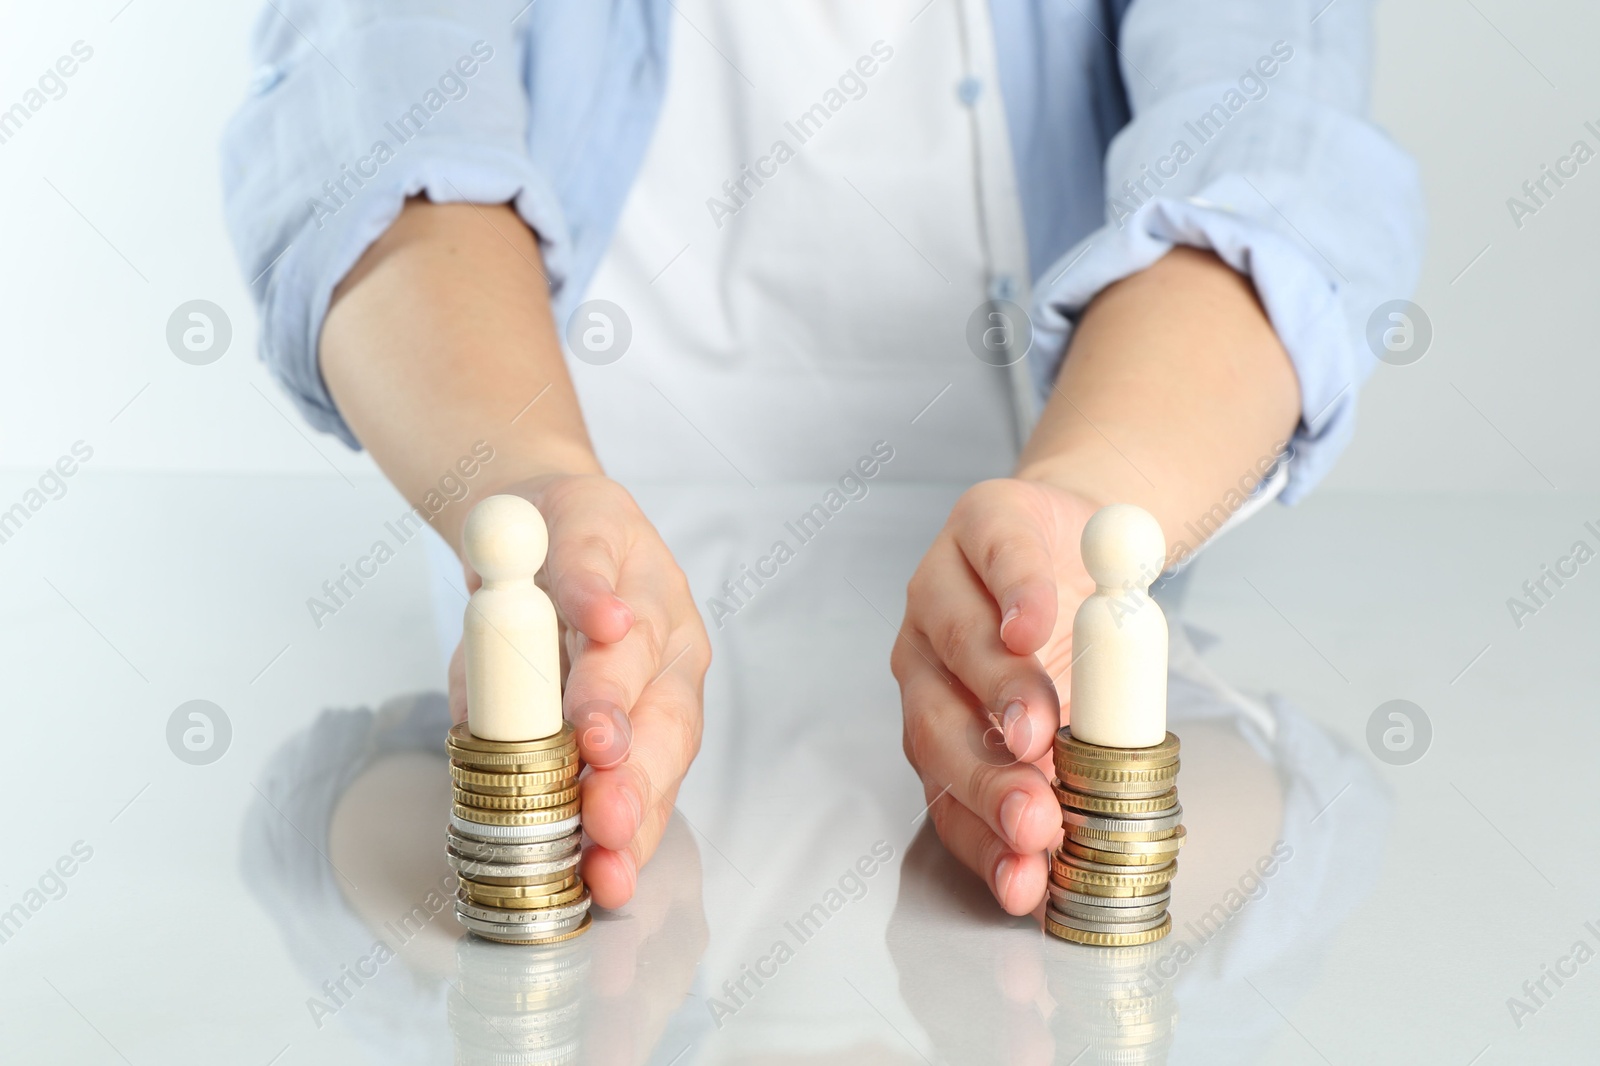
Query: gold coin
(1114,789)
(503,762)
(1157,862)
(1149,849)
(1107,940)
(461,737)
(1070,876)
(1142,862)
(489,783)
(516,803)
(1116,858)
(535,755)
(527,903)
(541,941)
(1152,776)
(1171,843)
(544,817)
(1070,748)
(1094,838)
(1115,891)
(1115,806)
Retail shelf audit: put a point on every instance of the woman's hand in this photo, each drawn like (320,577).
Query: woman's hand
(986,648)
(636,654)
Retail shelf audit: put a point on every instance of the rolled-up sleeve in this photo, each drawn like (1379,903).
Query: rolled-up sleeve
(354,108)
(1248,138)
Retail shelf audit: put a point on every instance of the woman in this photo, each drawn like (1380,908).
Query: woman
(769,233)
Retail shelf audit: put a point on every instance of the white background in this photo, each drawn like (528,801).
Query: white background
(1502,401)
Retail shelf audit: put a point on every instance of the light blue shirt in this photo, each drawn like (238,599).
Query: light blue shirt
(1232,125)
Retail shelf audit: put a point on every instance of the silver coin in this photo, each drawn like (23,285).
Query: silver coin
(523,931)
(1092,913)
(1112,868)
(1158,821)
(1164,848)
(1060,896)
(472,868)
(1091,926)
(533,916)
(502,851)
(513,834)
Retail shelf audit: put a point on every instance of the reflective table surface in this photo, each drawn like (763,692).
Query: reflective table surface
(1364,881)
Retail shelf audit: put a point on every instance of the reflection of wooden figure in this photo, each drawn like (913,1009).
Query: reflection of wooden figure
(1119,682)
(513,658)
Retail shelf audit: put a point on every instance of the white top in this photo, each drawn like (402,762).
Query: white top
(790,323)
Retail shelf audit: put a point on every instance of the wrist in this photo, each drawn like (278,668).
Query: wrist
(528,476)
(1093,486)
(1061,474)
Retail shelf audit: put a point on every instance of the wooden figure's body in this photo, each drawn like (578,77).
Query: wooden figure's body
(513,657)
(1119,635)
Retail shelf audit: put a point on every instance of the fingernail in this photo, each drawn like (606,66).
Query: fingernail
(1017,727)
(1012,809)
(1010,616)
(1002,875)
(604,733)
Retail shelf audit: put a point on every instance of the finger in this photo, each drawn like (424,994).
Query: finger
(583,570)
(1005,538)
(588,600)
(608,679)
(957,616)
(619,802)
(945,742)
(604,733)
(612,874)
(1016,879)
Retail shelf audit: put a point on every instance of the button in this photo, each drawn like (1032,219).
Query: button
(967,90)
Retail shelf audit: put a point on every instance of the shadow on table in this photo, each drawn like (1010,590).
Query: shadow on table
(1285,824)
(344,848)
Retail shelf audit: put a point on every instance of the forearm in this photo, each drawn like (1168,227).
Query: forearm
(441,336)
(1174,389)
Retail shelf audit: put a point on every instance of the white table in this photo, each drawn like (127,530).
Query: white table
(219,898)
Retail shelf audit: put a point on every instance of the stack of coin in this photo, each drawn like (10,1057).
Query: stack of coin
(514,837)
(1112,876)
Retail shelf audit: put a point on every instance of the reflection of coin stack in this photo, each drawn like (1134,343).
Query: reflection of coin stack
(1112,876)
(1110,999)
(518,1007)
(514,837)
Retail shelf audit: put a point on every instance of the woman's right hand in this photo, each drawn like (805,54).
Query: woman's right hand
(637,654)
(985,654)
